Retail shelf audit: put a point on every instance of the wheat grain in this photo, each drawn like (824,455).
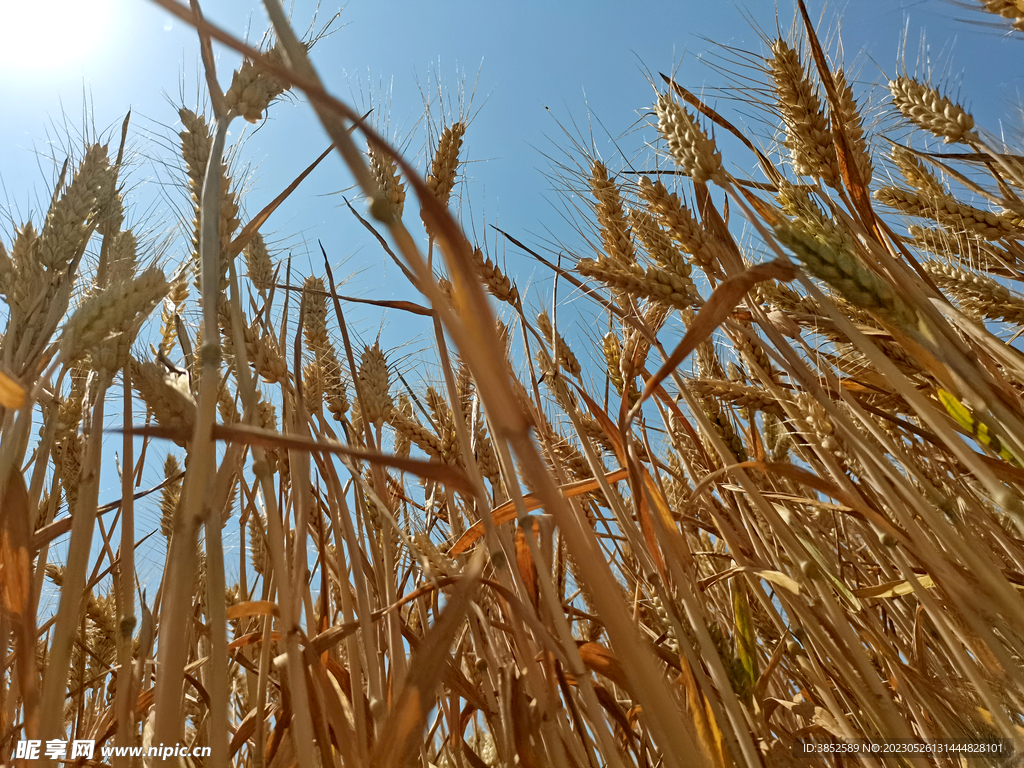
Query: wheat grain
(70,220)
(258,264)
(611,218)
(949,212)
(385,171)
(499,285)
(374,385)
(854,124)
(689,146)
(978,296)
(112,311)
(928,109)
(808,139)
(566,359)
(252,89)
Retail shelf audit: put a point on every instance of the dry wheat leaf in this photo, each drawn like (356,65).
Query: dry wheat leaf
(506,512)
(253,608)
(894,588)
(12,394)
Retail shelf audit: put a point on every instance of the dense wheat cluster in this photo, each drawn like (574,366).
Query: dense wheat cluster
(777,495)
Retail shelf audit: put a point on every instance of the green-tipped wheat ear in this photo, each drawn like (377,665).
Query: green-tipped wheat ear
(566,359)
(385,171)
(611,218)
(796,201)
(374,385)
(112,311)
(843,272)
(978,296)
(258,265)
(70,220)
(949,212)
(252,89)
(808,137)
(926,108)
(854,122)
(917,174)
(170,495)
(166,396)
(692,149)
(497,283)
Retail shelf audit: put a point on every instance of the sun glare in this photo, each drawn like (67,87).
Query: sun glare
(43,38)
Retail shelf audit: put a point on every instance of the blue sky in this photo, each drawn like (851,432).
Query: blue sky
(587,62)
(531,67)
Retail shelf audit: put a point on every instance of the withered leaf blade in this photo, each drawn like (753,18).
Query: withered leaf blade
(15,562)
(453,477)
(12,394)
(506,512)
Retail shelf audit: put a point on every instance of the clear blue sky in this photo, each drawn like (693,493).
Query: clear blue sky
(522,57)
(66,65)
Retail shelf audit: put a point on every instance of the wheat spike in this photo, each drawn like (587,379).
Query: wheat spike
(112,311)
(690,147)
(497,282)
(166,396)
(252,90)
(70,220)
(977,295)
(385,171)
(374,385)
(949,212)
(808,137)
(258,264)
(566,359)
(928,109)
(611,218)
(854,124)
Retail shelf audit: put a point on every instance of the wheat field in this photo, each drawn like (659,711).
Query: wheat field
(772,493)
